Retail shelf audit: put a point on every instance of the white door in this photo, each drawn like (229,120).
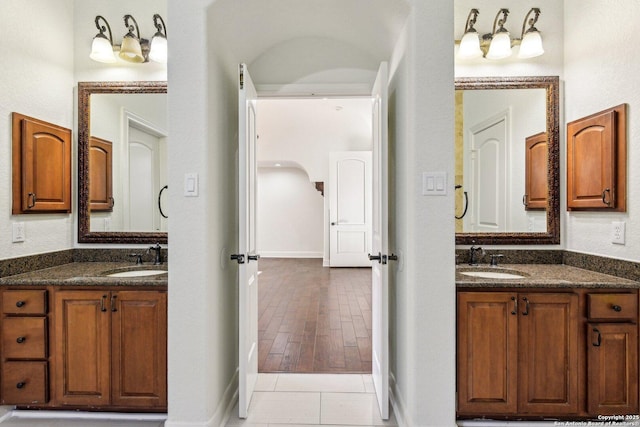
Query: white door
(380,246)
(488,198)
(350,208)
(144,181)
(246,256)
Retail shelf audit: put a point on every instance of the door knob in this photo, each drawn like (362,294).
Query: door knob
(376,257)
(393,257)
(253,257)
(238,257)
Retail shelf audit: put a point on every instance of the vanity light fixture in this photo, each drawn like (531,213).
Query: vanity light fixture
(158,50)
(102,47)
(531,41)
(498,44)
(470,42)
(133,48)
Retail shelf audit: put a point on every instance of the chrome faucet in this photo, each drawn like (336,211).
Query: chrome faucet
(158,257)
(472,254)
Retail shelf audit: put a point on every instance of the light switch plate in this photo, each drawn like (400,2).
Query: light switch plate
(191,184)
(434,183)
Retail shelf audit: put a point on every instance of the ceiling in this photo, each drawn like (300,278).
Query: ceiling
(249,28)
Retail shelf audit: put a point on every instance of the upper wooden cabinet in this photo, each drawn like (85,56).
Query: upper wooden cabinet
(536,159)
(41,162)
(597,161)
(100,175)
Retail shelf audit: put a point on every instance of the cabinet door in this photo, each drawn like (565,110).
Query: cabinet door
(596,161)
(82,344)
(612,362)
(548,354)
(100,175)
(487,353)
(536,186)
(42,166)
(139,356)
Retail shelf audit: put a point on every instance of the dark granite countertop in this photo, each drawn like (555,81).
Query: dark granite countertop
(541,276)
(88,274)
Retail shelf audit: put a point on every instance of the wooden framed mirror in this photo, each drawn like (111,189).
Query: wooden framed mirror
(496,120)
(128,118)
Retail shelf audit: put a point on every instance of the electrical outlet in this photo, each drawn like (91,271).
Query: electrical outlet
(18,232)
(617,232)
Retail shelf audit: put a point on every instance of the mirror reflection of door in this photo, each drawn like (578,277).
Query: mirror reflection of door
(144,180)
(487,153)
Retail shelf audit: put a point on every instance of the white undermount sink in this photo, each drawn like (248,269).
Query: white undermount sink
(137,273)
(492,275)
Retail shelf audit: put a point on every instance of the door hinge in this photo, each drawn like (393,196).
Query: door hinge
(241,76)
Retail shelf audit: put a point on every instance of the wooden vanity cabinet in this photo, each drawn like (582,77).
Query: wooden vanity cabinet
(548,353)
(487,353)
(111,348)
(612,353)
(24,376)
(517,353)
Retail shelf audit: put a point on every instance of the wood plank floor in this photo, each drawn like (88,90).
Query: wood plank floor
(313,318)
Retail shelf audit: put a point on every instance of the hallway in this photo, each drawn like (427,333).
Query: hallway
(313,318)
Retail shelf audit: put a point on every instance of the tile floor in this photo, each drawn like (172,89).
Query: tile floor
(280,400)
(294,400)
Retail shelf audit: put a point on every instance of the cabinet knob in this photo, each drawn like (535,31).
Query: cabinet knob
(616,308)
(21,384)
(20,304)
(20,340)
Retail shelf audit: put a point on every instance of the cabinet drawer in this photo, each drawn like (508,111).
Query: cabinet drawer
(612,306)
(24,383)
(24,338)
(24,302)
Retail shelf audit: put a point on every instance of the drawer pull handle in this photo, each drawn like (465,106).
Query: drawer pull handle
(114,307)
(102,307)
(526,306)
(20,304)
(515,305)
(21,384)
(616,308)
(604,197)
(20,340)
(597,344)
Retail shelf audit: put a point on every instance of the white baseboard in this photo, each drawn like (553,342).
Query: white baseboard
(290,254)
(79,415)
(223,411)
(397,402)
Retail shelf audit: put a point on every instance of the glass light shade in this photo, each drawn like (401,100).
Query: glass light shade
(470,46)
(500,46)
(158,52)
(131,50)
(531,45)
(102,50)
